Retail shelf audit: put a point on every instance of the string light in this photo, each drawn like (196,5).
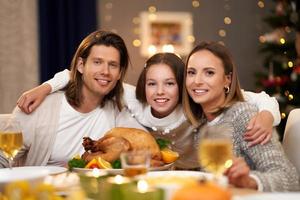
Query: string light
(283,115)
(282,40)
(262,39)
(191,38)
(290,97)
(195,4)
(109,5)
(290,64)
(136,42)
(261,4)
(152,9)
(227,20)
(222,33)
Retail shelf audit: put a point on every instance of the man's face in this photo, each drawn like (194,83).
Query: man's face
(100,72)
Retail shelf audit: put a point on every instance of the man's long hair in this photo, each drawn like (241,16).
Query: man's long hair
(74,88)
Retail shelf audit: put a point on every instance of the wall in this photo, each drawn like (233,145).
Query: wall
(241,38)
(18,50)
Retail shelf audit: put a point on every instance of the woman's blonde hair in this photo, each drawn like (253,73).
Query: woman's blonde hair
(193,111)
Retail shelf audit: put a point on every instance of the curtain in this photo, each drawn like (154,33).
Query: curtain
(62,26)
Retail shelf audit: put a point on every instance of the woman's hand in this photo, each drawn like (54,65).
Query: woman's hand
(259,130)
(238,174)
(31,99)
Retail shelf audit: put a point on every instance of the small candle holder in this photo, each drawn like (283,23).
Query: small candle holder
(142,191)
(116,186)
(93,182)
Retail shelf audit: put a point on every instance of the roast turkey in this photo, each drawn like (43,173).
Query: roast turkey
(119,140)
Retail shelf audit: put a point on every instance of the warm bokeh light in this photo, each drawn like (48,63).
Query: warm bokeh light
(190,38)
(168,48)
(195,4)
(222,33)
(108,5)
(151,50)
(227,20)
(282,40)
(290,64)
(262,39)
(261,4)
(291,97)
(136,42)
(142,186)
(283,115)
(152,9)
(136,20)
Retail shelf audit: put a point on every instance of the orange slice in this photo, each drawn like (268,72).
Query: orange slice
(103,164)
(168,155)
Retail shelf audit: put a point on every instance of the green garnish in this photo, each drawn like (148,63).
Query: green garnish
(116,164)
(75,162)
(162,143)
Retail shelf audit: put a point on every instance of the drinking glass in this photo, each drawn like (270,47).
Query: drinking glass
(215,150)
(135,162)
(11,139)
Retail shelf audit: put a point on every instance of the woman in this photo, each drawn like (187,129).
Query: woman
(213,97)
(156,104)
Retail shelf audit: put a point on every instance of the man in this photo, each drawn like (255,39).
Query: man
(89,106)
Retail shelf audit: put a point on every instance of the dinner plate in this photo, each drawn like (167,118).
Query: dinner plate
(120,171)
(270,196)
(32,175)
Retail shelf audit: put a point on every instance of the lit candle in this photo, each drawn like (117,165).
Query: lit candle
(142,191)
(116,186)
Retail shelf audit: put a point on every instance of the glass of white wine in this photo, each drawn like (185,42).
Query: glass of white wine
(11,139)
(215,150)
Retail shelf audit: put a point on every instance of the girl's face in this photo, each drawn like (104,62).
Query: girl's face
(206,79)
(162,92)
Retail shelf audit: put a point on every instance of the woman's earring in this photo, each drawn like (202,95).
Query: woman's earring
(227,89)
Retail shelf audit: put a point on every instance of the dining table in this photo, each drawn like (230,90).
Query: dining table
(77,185)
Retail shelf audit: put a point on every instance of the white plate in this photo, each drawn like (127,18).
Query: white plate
(32,175)
(270,196)
(120,171)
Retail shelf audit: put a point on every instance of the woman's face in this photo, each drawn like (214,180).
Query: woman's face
(162,92)
(206,79)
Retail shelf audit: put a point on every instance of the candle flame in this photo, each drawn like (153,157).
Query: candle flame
(119,179)
(142,186)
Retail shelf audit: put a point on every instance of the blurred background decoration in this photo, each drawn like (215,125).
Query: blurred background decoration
(280,47)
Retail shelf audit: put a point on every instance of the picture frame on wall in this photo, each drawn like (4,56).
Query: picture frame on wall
(166,32)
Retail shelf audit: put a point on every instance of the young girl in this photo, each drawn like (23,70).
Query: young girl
(156,104)
(213,97)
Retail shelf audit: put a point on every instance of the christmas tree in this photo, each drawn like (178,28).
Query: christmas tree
(281,51)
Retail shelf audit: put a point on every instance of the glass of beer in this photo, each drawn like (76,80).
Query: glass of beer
(215,149)
(135,162)
(11,139)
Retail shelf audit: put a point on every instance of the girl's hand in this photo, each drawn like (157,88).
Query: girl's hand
(260,128)
(31,99)
(238,174)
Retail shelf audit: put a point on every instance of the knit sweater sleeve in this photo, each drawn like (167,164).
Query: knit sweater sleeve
(268,162)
